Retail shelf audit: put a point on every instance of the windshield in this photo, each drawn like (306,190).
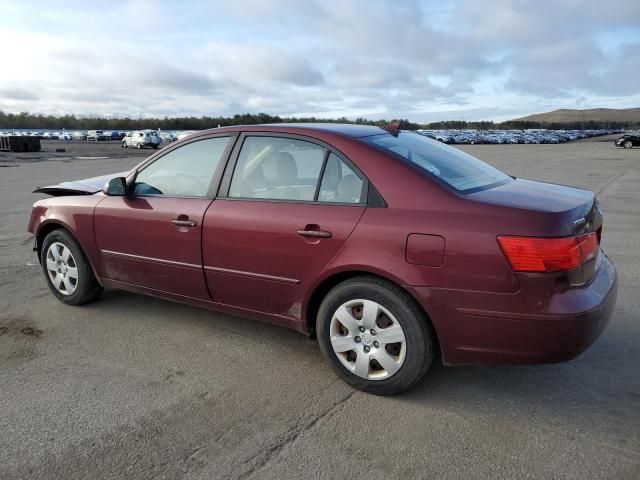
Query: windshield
(457,169)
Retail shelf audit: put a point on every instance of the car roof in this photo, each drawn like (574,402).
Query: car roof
(345,129)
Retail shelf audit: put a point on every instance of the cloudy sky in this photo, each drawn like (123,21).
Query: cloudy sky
(422,60)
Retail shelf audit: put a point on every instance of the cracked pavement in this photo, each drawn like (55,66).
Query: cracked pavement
(136,387)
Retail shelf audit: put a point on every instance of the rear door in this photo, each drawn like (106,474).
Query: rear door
(152,238)
(286,206)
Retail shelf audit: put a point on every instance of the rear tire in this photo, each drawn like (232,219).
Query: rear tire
(67,270)
(628,144)
(387,359)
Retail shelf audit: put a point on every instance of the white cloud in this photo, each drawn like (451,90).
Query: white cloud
(359,58)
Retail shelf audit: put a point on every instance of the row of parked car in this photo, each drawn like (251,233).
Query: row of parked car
(512,136)
(153,138)
(142,137)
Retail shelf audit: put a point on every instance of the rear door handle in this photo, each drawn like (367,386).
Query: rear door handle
(314,233)
(183,221)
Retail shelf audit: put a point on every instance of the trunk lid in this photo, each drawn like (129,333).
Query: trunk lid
(577,210)
(571,211)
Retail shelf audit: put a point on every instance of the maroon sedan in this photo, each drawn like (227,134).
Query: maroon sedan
(389,247)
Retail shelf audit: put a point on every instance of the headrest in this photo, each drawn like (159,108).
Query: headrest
(280,169)
(350,188)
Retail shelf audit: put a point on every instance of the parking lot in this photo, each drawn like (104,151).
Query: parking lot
(135,387)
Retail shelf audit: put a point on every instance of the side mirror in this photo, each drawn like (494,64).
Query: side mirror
(116,187)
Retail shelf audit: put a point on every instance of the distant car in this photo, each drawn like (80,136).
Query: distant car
(185,134)
(117,135)
(141,139)
(168,137)
(385,245)
(96,136)
(628,141)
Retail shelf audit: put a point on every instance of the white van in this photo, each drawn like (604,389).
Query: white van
(141,139)
(96,136)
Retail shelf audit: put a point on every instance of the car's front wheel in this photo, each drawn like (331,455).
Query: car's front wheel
(374,336)
(139,146)
(628,144)
(67,269)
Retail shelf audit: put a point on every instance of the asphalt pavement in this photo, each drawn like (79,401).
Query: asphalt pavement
(136,387)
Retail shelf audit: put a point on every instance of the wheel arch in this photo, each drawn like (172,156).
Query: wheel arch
(46,228)
(320,291)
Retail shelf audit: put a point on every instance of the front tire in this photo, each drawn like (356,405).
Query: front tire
(628,144)
(139,146)
(67,270)
(374,336)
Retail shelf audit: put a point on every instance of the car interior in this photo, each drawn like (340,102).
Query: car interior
(271,169)
(291,172)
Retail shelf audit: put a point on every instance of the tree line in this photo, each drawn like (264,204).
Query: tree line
(72,122)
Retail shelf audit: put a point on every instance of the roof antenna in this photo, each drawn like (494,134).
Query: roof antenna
(393,128)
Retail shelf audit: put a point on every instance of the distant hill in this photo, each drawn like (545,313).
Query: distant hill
(630,116)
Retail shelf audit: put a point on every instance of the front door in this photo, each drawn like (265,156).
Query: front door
(290,206)
(152,237)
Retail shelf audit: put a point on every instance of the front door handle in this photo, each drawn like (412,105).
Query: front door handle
(311,232)
(183,221)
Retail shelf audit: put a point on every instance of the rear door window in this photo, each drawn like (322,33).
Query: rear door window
(340,184)
(277,168)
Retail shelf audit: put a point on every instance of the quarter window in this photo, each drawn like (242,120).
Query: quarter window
(186,171)
(277,169)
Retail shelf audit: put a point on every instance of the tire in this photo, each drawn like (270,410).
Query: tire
(124,145)
(139,146)
(86,288)
(411,357)
(155,147)
(628,144)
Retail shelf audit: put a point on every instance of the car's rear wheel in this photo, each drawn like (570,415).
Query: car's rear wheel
(67,269)
(374,336)
(628,144)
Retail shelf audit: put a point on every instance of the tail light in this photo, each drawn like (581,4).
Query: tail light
(529,254)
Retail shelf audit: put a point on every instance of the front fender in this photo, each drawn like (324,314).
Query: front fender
(74,214)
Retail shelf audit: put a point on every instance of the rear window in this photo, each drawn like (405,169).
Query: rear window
(461,171)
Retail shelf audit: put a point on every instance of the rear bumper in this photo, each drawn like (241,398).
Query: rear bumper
(485,328)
